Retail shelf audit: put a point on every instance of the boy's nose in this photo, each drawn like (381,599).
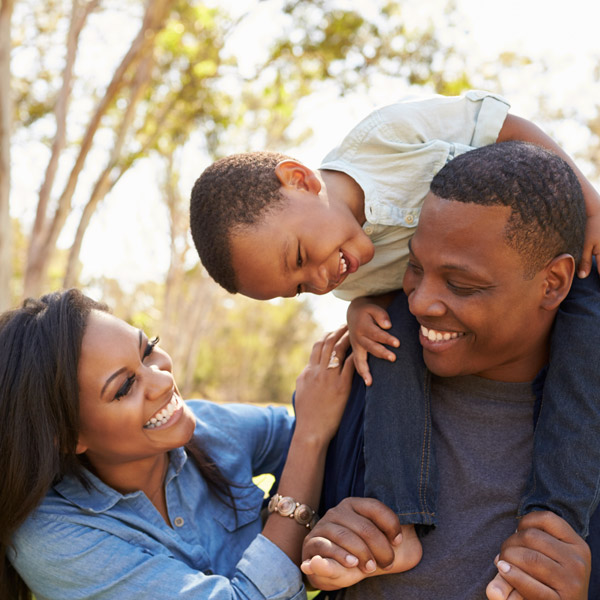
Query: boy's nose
(319,281)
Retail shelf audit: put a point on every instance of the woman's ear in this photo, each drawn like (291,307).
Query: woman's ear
(294,174)
(557,283)
(81,445)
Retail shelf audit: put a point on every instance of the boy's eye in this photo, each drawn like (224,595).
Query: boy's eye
(299,257)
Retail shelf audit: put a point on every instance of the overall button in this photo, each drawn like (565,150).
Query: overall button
(178,522)
(409,219)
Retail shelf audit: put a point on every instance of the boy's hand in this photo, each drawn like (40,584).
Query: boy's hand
(545,559)
(367,322)
(327,574)
(591,245)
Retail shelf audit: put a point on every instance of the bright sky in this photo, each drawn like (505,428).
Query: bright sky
(128,236)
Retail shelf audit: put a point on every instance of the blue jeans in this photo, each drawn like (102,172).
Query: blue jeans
(400,465)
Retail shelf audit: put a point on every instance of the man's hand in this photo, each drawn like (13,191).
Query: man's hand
(544,560)
(357,532)
(359,538)
(367,322)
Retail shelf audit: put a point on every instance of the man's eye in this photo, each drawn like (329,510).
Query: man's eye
(413,267)
(462,291)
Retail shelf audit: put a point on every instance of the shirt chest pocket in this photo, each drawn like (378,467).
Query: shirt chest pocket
(248,503)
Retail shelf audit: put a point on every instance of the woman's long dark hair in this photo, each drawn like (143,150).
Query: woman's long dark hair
(40,347)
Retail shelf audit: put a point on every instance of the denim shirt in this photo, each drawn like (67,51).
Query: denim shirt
(105,545)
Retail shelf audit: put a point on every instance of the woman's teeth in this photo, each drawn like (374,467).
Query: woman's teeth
(162,416)
(437,336)
(343,264)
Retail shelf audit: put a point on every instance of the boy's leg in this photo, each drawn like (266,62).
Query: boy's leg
(399,460)
(566,455)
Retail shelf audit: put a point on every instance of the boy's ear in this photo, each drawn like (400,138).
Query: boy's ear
(294,174)
(557,283)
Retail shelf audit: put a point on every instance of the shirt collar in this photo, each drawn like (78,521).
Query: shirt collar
(101,497)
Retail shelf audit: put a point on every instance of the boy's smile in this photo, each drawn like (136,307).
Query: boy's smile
(309,245)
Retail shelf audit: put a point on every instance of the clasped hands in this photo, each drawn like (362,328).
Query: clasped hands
(361,537)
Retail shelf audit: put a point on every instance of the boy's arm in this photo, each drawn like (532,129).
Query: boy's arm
(367,321)
(517,128)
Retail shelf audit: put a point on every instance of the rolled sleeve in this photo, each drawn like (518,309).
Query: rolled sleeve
(285,582)
(94,565)
(491,117)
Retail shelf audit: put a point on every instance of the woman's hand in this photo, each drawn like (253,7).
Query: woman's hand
(323,387)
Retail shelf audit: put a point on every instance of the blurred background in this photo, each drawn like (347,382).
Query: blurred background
(110,109)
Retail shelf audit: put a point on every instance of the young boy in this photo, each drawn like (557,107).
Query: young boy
(266,226)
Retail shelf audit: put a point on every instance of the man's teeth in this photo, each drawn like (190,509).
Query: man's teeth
(343,264)
(437,336)
(163,415)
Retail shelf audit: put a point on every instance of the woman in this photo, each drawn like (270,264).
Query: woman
(114,487)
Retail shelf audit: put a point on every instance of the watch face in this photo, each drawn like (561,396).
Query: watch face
(303,514)
(286,506)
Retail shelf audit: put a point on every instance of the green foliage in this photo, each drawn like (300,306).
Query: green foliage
(256,352)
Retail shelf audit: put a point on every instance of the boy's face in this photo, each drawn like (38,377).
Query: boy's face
(309,244)
(466,286)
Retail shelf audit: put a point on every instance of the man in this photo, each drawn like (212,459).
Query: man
(492,258)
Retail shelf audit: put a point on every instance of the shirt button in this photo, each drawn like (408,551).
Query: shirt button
(409,219)
(368,230)
(178,521)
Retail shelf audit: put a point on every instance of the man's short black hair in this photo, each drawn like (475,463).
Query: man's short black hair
(547,207)
(234,192)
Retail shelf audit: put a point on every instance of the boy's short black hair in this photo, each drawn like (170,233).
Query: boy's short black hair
(234,192)
(547,207)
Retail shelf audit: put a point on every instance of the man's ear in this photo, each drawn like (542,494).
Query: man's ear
(557,283)
(294,174)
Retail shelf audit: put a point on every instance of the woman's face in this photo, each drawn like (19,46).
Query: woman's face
(130,408)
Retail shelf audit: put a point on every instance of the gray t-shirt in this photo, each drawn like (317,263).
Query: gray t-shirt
(483,435)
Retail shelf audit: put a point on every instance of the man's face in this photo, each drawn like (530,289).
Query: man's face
(478,314)
(308,245)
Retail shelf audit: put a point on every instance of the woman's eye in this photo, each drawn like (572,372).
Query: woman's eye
(125,388)
(150,347)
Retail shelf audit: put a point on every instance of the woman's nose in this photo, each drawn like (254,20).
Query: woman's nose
(158,380)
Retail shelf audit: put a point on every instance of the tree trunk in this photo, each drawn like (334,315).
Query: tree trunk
(43,246)
(104,183)
(6,8)
(79,15)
